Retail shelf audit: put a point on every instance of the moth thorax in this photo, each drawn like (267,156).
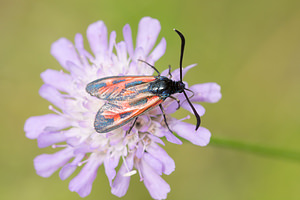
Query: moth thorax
(179,86)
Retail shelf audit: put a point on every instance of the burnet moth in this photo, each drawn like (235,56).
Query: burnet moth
(128,97)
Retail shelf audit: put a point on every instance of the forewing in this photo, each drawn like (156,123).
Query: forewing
(114,114)
(118,87)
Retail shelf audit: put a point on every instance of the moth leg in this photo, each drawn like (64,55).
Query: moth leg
(170,72)
(165,119)
(178,101)
(131,126)
(193,94)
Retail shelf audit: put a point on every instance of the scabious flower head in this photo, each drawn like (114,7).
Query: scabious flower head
(70,127)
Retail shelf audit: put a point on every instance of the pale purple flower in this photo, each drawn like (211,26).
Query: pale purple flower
(70,125)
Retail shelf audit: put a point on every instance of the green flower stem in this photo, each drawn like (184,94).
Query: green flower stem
(256,149)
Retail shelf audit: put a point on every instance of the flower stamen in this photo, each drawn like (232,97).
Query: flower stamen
(54,146)
(50,107)
(129,173)
(82,162)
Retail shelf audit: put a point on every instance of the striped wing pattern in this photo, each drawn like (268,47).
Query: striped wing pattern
(128,97)
(112,88)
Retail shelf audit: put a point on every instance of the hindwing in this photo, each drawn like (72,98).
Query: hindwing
(114,114)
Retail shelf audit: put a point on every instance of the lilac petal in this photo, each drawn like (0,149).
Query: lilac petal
(63,50)
(159,50)
(82,183)
(147,33)
(144,122)
(115,139)
(121,182)
(69,168)
(57,79)
(52,95)
(112,42)
(34,126)
(160,154)
(46,164)
(97,37)
(80,48)
(153,163)
(140,55)
(76,71)
(157,187)
(200,109)
(140,150)
(56,98)
(121,52)
(176,72)
(171,105)
(165,72)
(200,137)
(49,138)
(110,163)
(172,138)
(83,148)
(128,39)
(156,139)
(207,92)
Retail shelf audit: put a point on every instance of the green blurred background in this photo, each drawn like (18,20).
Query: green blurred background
(251,48)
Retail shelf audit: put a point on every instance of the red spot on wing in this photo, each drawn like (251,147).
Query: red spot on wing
(117,118)
(109,82)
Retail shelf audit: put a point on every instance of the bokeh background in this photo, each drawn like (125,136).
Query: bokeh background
(251,48)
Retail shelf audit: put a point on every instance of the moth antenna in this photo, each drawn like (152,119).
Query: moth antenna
(150,66)
(181,52)
(180,64)
(194,110)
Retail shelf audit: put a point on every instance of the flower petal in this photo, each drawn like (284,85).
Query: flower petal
(122,53)
(160,154)
(63,50)
(112,42)
(140,150)
(34,126)
(52,95)
(200,137)
(97,37)
(48,138)
(159,50)
(157,187)
(110,163)
(153,163)
(83,54)
(56,98)
(128,39)
(57,79)
(121,182)
(69,168)
(46,164)
(200,109)
(207,92)
(82,183)
(176,72)
(147,34)
(172,138)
